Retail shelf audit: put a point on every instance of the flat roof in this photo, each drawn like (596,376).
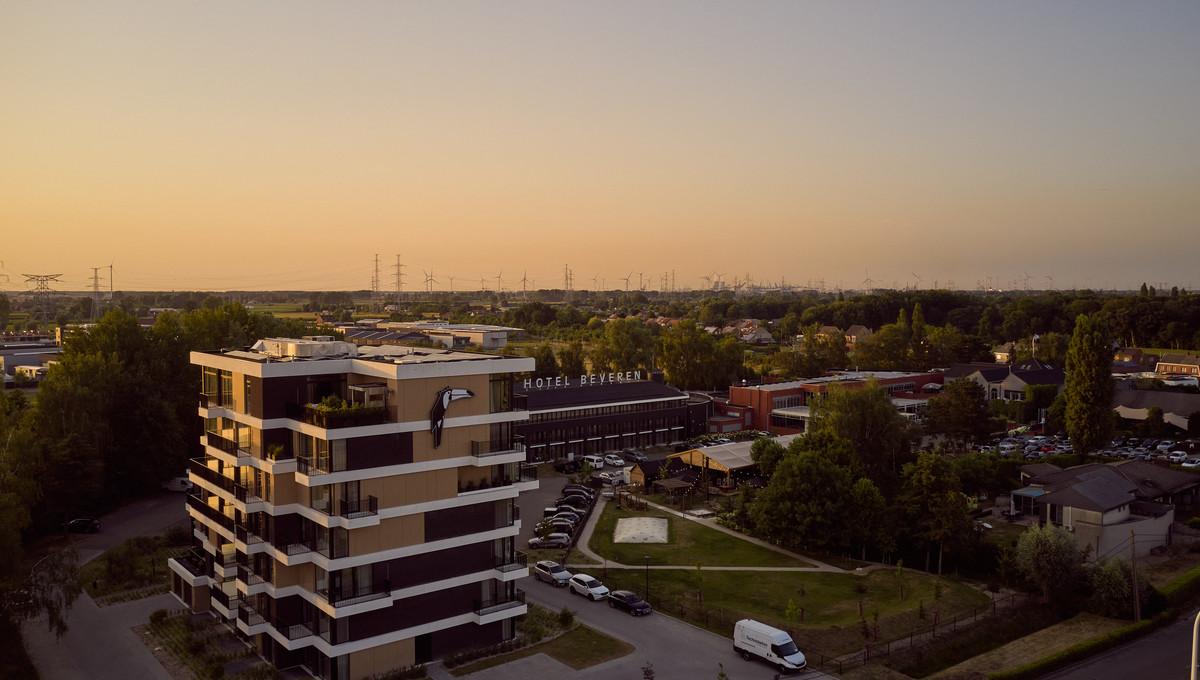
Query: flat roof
(582,396)
(732,456)
(844,376)
(312,351)
(445,326)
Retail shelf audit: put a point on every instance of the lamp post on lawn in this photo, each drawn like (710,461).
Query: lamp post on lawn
(646,561)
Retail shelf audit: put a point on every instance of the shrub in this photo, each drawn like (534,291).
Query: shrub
(566,618)
(177,535)
(158,616)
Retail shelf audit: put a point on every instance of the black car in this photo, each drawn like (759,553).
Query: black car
(83,525)
(578,489)
(574,501)
(554,527)
(567,467)
(627,600)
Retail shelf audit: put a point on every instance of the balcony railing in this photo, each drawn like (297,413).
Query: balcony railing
(248,576)
(519,560)
(297,631)
(312,466)
(198,467)
(222,444)
(245,494)
(362,507)
(248,616)
(374,591)
(487,447)
(246,535)
(194,561)
(210,512)
(500,603)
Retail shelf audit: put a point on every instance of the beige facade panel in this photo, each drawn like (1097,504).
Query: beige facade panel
(413,398)
(382,659)
(419,487)
(456,442)
(395,532)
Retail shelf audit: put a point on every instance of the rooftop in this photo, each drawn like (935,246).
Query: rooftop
(843,377)
(321,348)
(446,326)
(581,396)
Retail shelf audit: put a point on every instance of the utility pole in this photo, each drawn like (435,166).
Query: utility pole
(375,278)
(41,292)
(95,293)
(1137,603)
(399,271)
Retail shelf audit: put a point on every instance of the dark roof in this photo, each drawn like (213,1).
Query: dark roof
(650,468)
(1154,481)
(568,397)
(1182,403)
(1039,469)
(1101,489)
(963,370)
(1187,359)
(1149,508)
(1041,376)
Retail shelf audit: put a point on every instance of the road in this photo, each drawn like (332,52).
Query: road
(1163,655)
(100,644)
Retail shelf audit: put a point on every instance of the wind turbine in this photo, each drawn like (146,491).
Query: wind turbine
(451,284)
(918,278)
(595,282)
(626,280)
(1049,282)
(499,286)
(524,281)
(429,281)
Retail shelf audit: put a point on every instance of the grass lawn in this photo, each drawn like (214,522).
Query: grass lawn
(580,648)
(573,557)
(1160,570)
(136,568)
(1034,646)
(831,623)
(1004,533)
(689,543)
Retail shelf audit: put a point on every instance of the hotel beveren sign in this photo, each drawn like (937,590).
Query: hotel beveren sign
(584,380)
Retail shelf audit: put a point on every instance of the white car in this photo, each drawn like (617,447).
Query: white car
(1191,463)
(582,584)
(1165,446)
(551,572)
(1177,457)
(614,460)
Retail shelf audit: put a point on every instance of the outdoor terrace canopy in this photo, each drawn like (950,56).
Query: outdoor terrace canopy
(725,458)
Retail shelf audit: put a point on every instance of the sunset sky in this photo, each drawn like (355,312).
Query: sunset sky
(281,145)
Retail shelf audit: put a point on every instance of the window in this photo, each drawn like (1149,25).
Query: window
(500,393)
(226,388)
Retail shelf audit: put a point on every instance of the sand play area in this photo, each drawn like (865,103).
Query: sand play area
(640,530)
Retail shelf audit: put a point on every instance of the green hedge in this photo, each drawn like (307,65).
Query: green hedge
(1040,667)
(1182,588)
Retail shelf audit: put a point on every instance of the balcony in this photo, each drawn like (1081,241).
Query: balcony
(247,575)
(246,494)
(342,598)
(519,560)
(363,507)
(297,631)
(312,466)
(199,467)
(194,561)
(248,616)
(224,445)
(246,536)
(210,512)
(487,447)
(500,603)
(344,416)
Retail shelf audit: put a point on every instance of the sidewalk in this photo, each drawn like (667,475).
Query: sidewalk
(585,537)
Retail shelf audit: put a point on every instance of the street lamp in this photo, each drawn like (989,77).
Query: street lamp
(646,561)
(1195,641)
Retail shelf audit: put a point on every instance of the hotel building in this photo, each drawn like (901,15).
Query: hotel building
(355,508)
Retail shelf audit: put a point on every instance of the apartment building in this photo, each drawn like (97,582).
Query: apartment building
(355,508)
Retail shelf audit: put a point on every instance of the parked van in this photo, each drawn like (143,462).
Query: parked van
(752,638)
(596,462)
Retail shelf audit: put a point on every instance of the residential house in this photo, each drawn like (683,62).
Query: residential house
(1178,364)
(1133,360)
(857,333)
(1004,353)
(1007,382)
(1100,506)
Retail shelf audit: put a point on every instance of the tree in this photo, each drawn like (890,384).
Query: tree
(960,413)
(1089,388)
(1111,583)
(5,311)
(866,418)
(804,504)
(694,359)
(545,365)
(571,359)
(935,504)
(766,454)
(1153,425)
(870,516)
(623,345)
(1194,424)
(1050,559)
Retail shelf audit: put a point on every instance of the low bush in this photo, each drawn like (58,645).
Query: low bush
(566,618)
(158,616)
(1040,667)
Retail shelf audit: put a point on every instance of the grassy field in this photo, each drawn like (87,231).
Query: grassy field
(136,568)
(579,648)
(1004,533)
(689,543)
(1159,570)
(1034,646)
(831,623)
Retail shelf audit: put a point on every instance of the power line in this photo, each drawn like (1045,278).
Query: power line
(41,293)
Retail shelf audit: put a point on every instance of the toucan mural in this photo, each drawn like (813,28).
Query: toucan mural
(437,414)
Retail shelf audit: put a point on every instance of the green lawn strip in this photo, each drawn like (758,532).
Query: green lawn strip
(1049,640)
(194,642)
(689,543)
(135,566)
(1039,667)
(579,648)
(831,624)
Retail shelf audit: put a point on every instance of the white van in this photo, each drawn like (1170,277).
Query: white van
(752,638)
(596,462)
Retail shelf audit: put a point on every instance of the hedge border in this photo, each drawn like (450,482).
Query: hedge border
(1178,593)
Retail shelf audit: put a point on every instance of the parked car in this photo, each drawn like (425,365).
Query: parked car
(579,488)
(1191,463)
(1165,445)
(628,601)
(551,572)
(614,460)
(582,584)
(575,502)
(177,484)
(566,466)
(554,526)
(1177,457)
(595,461)
(613,478)
(83,525)
(752,638)
(635,456)
(550,541)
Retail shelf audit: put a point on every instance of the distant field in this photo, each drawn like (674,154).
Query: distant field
(1163,350)
(281,307)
